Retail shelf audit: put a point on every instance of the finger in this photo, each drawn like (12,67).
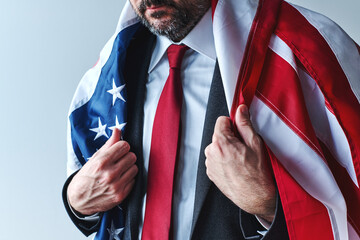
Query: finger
(124,164)
(121,195)
(114,153)
(129,175)
(128,187)
(243,125)
(115,137)
(223,127)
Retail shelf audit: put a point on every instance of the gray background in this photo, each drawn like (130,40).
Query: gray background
(45,48)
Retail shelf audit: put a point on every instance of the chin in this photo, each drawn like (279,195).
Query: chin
(160,24)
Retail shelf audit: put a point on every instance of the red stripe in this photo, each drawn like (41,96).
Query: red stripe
(213,7)
(349,189)
(306,218)
(321,63)
(279,88)
(261,31)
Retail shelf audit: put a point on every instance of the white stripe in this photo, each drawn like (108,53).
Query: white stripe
(352,233)
(278,46)
(231,25)
(325,124)
(304,164)
(87,85)
(327,127)
(82,95)
(340,43)
(127,17)
(89,81)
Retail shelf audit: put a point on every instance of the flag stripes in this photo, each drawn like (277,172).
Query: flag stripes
(321,63)
(305,166)
(300,208)
(307,56)
(349,189)
(342,46)
(283,85)
(325,124)
(323,66)
(288,102)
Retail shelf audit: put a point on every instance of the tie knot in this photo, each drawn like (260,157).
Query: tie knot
(175,55)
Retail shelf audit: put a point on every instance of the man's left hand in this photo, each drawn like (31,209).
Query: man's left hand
(239,168)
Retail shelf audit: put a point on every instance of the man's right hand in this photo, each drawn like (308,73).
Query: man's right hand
(105,180)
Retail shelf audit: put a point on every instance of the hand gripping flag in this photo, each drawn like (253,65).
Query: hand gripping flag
(300,75)
(98,107)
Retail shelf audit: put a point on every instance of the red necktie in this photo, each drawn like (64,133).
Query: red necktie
(163,152)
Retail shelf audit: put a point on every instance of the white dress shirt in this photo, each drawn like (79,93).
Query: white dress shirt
(196,75)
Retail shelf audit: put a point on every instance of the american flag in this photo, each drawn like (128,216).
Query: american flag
(98,107)
(301,78)
(300,75)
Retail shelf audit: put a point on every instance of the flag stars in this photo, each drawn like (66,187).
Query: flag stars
(114,232)
(116,92)
(100,130)
(117,125)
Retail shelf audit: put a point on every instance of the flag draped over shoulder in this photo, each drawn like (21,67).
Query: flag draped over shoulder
(98,107)
(300,75)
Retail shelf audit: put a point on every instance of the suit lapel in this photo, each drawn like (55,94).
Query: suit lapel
(136,75)
(216,107)
(137,63)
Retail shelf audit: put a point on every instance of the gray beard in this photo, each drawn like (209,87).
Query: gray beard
(182,21)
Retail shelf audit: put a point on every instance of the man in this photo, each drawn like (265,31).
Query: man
(233,191)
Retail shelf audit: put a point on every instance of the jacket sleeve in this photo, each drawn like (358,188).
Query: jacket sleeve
(252,229)
(86,224)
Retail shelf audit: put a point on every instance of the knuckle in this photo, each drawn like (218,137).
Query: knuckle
(222,119)
(132,156)
(124,145)
(213,149)
(207,151)
(100,165)
(108,177)
(112,189)
(119,197)
(103,160)
(135,170)
(207,163)
(216,147)
(256,141)
(247,122)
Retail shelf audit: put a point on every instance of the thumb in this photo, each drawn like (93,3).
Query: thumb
(243,124)
(115,137)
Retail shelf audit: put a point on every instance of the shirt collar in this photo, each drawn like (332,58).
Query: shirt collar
(200,39)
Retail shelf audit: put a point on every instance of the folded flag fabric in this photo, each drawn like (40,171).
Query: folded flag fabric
(298,72)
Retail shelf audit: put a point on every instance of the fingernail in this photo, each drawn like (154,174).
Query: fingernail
(244,110)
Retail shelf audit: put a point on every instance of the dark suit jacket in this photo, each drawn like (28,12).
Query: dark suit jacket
(215,216)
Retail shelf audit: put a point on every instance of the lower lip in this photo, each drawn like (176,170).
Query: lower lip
(157,8)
